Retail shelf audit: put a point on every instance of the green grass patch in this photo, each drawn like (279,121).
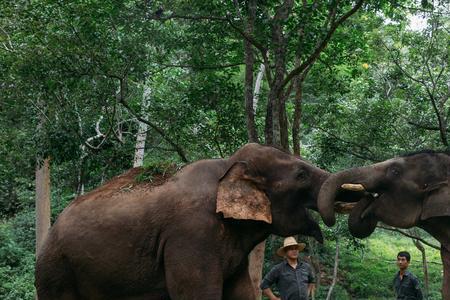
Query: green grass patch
(156,168)
(369,273)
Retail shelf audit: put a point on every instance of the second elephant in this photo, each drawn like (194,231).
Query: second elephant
(406,191)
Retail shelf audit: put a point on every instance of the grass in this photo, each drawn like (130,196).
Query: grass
(369,273)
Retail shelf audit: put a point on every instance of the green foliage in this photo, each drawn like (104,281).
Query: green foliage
(16,260)
(366,267)
(73,75)
(339,293)
(369,273)
(17,283)
(9,252)
(156,168)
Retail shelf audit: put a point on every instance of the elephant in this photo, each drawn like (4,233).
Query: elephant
(188,238)
(405,191)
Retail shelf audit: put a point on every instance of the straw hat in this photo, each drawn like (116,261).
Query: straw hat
(288,242)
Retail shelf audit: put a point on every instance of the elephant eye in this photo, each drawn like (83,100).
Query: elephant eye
(302,174)
(395,171)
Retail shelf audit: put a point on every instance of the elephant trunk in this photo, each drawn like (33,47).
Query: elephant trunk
(318,180)
(360,225)
(331,187)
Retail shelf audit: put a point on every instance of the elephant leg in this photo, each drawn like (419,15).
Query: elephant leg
(445,256)
(192,273)
(156,295)
(65,295)
(55,280)
(240,287)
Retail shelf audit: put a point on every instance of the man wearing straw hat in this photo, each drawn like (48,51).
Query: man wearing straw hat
(294,278)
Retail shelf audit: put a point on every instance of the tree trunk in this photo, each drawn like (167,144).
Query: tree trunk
(426,280)
(249,64)
(276,130)
(441,121)
(445,256)
(336,264)
(141,136)
(257,91)
(284,123)
(298,83)
(276,102)
(255,262)
(276,89)
(42,201)
(268,129)
(256,257)
(80,183)
(80,178)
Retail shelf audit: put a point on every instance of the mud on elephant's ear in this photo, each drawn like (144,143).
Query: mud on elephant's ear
(437,202)
(239,195)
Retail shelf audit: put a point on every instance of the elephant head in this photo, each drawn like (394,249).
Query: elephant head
(402,192)
(269,185)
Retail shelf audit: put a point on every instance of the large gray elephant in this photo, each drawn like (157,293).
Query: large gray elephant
(411,190)
(186,239)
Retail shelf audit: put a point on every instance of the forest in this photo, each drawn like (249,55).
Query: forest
(90,89)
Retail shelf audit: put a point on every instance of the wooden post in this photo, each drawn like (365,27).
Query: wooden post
(42,201)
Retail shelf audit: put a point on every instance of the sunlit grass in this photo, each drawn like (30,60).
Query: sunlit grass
(368,274)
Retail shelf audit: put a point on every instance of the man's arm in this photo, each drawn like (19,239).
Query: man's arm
(311,290)
(268,281)
(268,292)
(393,287)
(419,295)
(311,282)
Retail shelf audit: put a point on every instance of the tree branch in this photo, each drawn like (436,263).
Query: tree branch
(122,100)
(426,127)
(245,35)
(251,39)
(222,19)
(409,235)
(371,158)
(400,67)
(203,67)
(313,57)
(9,47)
(441,122)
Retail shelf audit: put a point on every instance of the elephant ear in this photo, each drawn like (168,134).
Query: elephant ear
(436,203)
(239,197)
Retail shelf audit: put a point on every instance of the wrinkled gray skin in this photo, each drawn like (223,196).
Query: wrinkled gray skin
(169,242)
(403,192)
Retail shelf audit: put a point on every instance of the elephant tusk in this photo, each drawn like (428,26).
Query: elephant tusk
(353,187)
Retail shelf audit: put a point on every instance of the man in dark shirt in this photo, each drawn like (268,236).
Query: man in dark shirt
(406,285)
(294,278)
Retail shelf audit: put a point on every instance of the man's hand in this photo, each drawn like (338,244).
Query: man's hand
(311,290)
(268,292)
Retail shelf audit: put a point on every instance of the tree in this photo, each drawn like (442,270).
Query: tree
(335,270)
(422,60)
(141,135)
